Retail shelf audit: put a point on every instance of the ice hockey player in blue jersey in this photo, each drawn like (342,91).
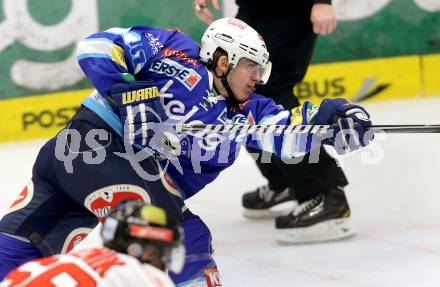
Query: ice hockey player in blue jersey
(112,150)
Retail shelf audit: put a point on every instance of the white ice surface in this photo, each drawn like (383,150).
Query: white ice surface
(395,201)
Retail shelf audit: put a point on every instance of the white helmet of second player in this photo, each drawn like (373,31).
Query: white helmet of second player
(239,40)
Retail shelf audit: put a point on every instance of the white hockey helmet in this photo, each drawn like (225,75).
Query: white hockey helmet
(239,40)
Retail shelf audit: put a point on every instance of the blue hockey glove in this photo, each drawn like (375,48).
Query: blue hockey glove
(349,124)
(140,111)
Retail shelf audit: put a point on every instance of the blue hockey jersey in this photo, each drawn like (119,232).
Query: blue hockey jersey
(168,61)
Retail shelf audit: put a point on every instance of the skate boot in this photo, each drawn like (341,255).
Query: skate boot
(267,203)
(324,217)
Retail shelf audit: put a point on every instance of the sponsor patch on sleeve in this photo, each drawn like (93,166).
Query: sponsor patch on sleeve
(188,77)
(212,277)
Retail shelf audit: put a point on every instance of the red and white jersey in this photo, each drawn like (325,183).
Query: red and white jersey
(96,267)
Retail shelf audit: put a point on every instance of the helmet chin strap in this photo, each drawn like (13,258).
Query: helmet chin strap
(224,80)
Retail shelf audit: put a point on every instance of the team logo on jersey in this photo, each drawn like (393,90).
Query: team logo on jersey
(154,43)
(188,77)
(74,238)
(212,277)
(102,201)
(23,198)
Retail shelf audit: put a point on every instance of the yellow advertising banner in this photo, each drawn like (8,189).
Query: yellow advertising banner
(406,77)
(365,80)
(39,116)
(431,75)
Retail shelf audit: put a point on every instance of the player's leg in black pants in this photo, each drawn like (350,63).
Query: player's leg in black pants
(302,180)
(316,186)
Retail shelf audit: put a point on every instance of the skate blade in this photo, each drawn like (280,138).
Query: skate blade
(329,230)
(276,210)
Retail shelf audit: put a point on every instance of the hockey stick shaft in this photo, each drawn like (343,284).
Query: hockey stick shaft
(291,129)
(404,129)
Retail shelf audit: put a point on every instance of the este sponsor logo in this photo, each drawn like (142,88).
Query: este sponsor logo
(186,76)
(47,118)
(140,95)
(179,54)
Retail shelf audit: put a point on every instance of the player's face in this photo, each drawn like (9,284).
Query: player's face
(243,78)
(151,256)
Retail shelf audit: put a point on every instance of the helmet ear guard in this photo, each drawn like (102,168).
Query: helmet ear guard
(147,233)
(239,40)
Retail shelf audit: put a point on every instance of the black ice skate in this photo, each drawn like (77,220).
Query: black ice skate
(267,203)
(325,217)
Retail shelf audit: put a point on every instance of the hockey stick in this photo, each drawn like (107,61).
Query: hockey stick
(405,129)
(292,129)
